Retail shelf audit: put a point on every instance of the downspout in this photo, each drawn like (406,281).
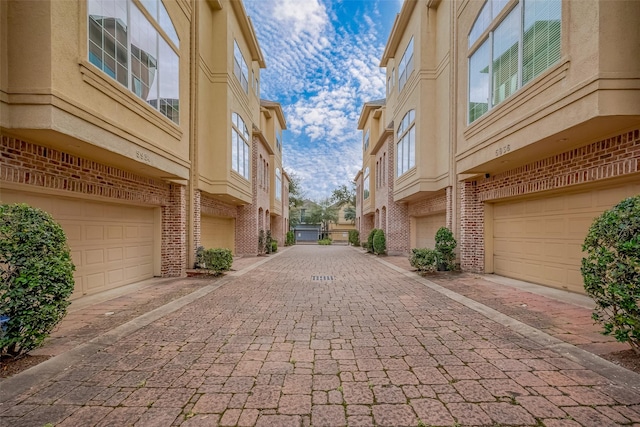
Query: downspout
(193,131)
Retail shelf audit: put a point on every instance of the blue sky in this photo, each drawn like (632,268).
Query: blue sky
(323,61)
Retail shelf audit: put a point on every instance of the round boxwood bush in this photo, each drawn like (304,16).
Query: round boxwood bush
(372,234)
(379,242)
(611,270)
(37,277)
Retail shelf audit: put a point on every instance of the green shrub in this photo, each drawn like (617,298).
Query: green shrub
(274,246)
(290,239)
(268,247)
(372,234)
(354,237)
(261,240)
(36,277)
(327,241)
(423,259)
(199,257)
(445,245)
(217,260)
(611,271)
(379,243)
(365,246)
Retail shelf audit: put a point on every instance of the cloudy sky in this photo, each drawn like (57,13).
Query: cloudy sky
(323,61)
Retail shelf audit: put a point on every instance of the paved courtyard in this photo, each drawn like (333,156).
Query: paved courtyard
(323,336)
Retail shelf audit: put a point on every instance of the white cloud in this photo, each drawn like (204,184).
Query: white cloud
(322,71)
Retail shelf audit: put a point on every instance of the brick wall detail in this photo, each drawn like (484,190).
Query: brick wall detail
(614,157)
(174,233)
(23,162)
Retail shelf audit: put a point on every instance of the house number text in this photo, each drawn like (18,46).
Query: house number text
(143,156)
(503,150)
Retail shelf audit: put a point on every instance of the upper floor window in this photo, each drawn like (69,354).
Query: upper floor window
(278,184)
(366,140)
(138,53)
(366,191)
(279,140)
(406,65)
(406,145)
(510,49)
(240,68)
(239,146)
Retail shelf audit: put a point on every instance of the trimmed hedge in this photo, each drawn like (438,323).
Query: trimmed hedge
(611,271)
(423,259)
(379,242)
(216,261)
(36,277)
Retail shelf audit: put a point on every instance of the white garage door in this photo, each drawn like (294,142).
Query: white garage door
(426,228)
(540,240)
(218,232)
(112,245)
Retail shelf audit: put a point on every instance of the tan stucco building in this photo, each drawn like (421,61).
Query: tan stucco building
(514,123)
(139,126)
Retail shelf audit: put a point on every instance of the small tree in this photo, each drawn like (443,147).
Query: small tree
(379,242)
(445,245)
(290,239)
(268,242)
(36,277)
(611,271)
(261,240)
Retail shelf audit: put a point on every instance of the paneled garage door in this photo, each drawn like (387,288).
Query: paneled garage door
(218,232)
(112,245)
(540,240)
(426,228)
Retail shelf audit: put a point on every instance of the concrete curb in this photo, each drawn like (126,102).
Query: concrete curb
(29,378)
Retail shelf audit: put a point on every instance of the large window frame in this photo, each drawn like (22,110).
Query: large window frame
(406,145)
(366,185)
(240,68)
(240,148)
(509,47)
(139,53)
(278,184)
(405,68)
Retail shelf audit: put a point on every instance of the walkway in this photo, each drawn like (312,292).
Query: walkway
(323,336)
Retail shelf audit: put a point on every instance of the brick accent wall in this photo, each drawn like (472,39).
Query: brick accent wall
(471,227)
(23,162)
(174,233)
(247,219)
(617,156)
(429,206)
(398,230)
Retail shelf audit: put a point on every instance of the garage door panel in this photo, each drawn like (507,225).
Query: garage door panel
(217,232)
(97,238)
(426,228)
(540,240)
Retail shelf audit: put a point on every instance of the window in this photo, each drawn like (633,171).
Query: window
(406,146)
(515,49)
(240,67)
(279,140)
(239,146)
(278,184)
(138,53)
(406,65)
(366,140)
(366,184)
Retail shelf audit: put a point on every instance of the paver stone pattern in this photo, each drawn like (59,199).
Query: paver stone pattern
(274,347)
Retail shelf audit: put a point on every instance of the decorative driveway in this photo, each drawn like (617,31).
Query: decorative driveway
(323,336)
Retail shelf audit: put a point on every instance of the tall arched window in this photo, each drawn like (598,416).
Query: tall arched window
(239,146)
(141,55)
(278,184)
(406,145)
(515,47)
(366,191)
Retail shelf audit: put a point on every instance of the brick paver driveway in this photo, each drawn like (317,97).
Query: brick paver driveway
(324,336)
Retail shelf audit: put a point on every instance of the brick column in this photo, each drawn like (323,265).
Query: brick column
(197,216)
(174,232)
(471,228)
(398,239)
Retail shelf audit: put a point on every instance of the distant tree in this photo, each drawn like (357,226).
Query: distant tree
(344,195)
(296,195)
(324,213)
(350,214)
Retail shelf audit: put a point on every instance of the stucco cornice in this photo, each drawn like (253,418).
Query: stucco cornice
(399,25)
(246,26)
